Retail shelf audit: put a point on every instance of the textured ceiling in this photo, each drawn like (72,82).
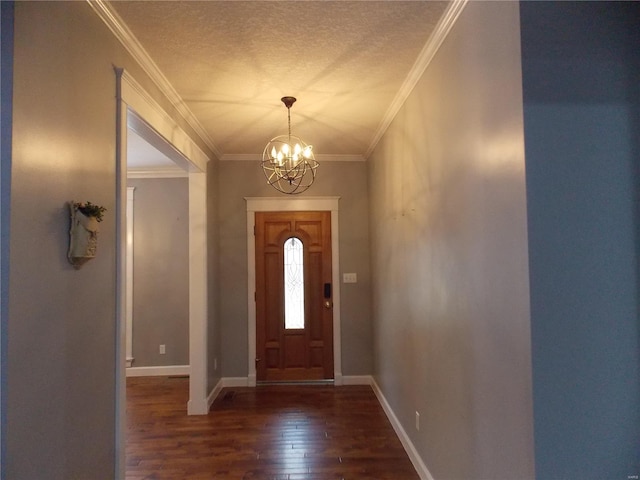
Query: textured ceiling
(231,61)
(142,155)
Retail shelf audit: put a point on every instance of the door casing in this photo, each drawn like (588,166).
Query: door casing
(288,204)
(132,101)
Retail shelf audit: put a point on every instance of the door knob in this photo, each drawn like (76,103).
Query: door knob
(327,304)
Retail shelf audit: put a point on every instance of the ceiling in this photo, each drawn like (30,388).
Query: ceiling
(141,155)
(349,63)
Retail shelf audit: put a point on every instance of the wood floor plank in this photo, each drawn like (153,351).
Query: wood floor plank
(288,432)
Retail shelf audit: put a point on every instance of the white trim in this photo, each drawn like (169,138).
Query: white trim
(164,172)
(291,204)
(121,281)
(251,292)
(334,157)
(335,280)
(149,120)
(198,298)
(244,382)
(129,275)
(320,157)
(417,462)
(159,371)
(288,204)
(357,380)
(429,51)
(226,382)
(214,394)
(122,32)
(134,102)
(235,382)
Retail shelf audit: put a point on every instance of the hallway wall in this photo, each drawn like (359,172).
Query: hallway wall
(450,271)
(239,179)
(6,114)
(581,68)
(60,395)
(160,271)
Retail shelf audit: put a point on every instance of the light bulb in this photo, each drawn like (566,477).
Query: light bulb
(274,154)
(285,148)
(297,149)
(307,151)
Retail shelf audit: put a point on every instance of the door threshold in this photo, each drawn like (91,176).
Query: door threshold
(328,381)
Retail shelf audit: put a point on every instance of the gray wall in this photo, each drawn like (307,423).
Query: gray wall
(161,271)
(245,179)
(582,118)
(449,256)
(6,113)
(60,395)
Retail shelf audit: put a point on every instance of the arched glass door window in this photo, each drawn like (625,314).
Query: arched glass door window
(293,284)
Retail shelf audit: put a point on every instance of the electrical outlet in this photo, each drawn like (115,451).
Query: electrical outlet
(417,421)
(349,278)
(163,349)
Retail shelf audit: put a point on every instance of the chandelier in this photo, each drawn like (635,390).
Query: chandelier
(288,163)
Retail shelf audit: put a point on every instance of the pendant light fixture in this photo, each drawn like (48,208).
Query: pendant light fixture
(288,163)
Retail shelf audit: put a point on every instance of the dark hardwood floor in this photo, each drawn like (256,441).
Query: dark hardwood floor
(294,432)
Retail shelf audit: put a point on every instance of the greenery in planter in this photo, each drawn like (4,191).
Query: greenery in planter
(91,210)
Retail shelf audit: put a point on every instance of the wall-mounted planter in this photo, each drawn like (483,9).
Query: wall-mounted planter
(83,235)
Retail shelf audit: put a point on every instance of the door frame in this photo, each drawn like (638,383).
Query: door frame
(134,104)
(284,204)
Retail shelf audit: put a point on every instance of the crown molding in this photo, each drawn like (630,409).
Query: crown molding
(330,157)
(254,157)
(113,21)
(435,40)
(161,172)
(126,37)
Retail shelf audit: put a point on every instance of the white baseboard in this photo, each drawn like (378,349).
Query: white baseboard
(246,382)
(158,371)
(197,407)
(214,393)
(418,464)
(235,381)
(226,382)
(357,380)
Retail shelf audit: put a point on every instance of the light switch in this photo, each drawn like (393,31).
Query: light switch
(349,278)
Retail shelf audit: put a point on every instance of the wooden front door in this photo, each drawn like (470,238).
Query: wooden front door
(294,308)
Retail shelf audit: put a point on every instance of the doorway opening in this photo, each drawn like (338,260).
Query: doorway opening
(157,300)
(135,106)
